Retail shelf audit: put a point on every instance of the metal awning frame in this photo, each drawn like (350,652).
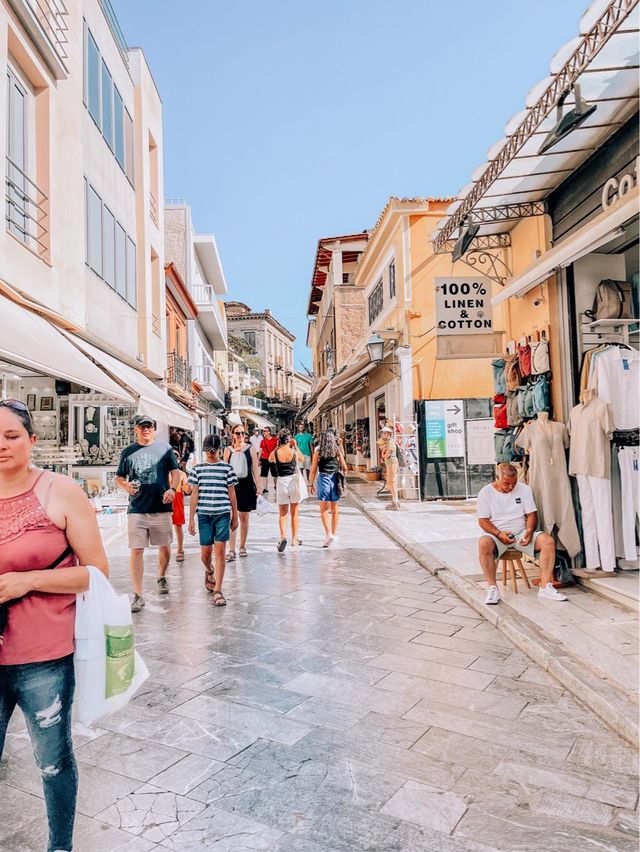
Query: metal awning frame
(590,45)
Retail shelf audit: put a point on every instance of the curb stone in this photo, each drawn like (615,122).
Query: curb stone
(616,708)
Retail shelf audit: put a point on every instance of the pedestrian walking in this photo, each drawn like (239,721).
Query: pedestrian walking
(304,440)
(177,515)
(149,472)
(243,458)
(46,522)
(328,462)
(213,501)
(267,446)
(388,450)
(255,439)
(285,459)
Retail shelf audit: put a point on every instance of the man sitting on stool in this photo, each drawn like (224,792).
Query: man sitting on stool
(508,516)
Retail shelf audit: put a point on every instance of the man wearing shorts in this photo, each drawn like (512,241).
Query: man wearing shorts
(508,517)
(304,440)
(149,472)
(267,446)
(213,500)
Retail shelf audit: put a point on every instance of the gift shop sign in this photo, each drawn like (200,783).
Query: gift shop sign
(463,305)
(445,428)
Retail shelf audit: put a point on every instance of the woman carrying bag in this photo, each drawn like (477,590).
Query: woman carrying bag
(43,516)
(286,458)
(327,466)
(243,458)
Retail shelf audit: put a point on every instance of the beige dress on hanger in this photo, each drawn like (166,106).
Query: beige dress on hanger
(549,480)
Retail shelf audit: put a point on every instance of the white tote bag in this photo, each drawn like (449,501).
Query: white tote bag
(302,486)
(108,668)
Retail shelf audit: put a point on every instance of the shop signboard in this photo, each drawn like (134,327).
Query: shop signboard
(480,442)
(445,428)
(463,305)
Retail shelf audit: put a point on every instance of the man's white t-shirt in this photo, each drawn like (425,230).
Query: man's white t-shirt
(506,511)
(255,440)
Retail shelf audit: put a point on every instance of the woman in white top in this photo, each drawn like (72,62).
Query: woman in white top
(244,461)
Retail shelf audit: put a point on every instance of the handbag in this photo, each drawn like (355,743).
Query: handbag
(500,411)
(612,301)
(303,491)
(108,668)
(524,360)
(499,384)
(540,357)
(514,418)
(540,394)
(341,483)
(512,372)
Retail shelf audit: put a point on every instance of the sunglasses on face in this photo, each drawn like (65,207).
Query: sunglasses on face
(239,433)
(146,428)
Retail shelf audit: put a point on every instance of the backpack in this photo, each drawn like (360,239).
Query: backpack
(238,461)
(524,360)
(562,568)
(514,418)
(503,444)
(499,384)
(512,372)
(500,411)
(540,394)
(526,407)
(612,301)
(540,357)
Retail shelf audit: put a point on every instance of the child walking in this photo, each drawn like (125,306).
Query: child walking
(213,500)
(178,518)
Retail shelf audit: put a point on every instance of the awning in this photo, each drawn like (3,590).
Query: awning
(30,341)
(261,422)
(152,399)
(586,239)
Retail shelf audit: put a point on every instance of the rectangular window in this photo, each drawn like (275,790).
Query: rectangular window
(107,106)
(93,79)
(108,247)
(250,337)
(132,290)
(392,279)
(376,301)
(128,146)
(118,126)
(94,230)
(121,261)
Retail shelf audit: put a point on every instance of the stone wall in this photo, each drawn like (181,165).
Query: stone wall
(175,241)
(350,321)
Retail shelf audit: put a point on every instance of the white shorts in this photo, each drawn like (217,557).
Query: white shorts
(306,464)
(287,490)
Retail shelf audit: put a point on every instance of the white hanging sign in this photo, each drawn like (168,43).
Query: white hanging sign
(463,305)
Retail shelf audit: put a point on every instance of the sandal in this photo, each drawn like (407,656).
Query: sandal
(243,552)
(180,556)
(209,581)
(231,556)
(219,599)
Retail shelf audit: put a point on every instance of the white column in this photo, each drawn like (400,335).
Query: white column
(405,384)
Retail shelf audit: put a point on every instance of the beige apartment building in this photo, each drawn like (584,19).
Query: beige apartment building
(82,284)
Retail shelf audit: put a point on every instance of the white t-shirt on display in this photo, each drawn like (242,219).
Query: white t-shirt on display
(506,511)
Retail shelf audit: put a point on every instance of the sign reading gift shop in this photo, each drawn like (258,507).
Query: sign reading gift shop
(444,428)
(463,305)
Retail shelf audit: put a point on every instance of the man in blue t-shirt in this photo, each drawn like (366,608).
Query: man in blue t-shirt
(149,472)
(304,440)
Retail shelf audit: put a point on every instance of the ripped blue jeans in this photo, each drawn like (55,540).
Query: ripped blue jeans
(44,693)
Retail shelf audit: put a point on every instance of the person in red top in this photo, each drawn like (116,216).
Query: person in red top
(267,446)
(48,535)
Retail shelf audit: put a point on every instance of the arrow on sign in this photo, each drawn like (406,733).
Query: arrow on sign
(456,409)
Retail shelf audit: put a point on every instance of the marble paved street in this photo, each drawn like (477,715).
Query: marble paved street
(344,700)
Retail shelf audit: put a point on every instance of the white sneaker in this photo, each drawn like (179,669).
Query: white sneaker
(553,594)
(493,595)
(328,541)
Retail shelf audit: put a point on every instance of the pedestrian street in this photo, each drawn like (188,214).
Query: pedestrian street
(344,700)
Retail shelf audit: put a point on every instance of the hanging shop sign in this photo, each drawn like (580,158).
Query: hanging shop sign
(616,188)
(463,305)
(445,429)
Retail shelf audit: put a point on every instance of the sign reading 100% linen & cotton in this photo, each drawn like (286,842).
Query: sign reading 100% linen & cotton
(463,306)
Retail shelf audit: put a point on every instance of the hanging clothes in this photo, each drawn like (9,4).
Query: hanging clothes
(629,462)
(615,375)
(549,480)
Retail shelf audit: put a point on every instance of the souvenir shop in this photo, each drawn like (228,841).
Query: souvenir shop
(592,503)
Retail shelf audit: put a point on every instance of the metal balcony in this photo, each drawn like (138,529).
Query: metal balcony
(46,23)
(26,211)
(212,386)
(253,403)
(178,372)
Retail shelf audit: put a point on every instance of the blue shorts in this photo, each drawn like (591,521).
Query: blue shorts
(327,487)
(213,528)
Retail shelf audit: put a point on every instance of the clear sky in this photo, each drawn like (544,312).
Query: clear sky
(291,120)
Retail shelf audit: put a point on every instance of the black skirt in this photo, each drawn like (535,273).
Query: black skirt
(246,491)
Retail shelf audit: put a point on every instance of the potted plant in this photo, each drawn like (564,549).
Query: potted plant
(374,474)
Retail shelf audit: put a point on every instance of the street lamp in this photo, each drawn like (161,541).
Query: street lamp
(375,348)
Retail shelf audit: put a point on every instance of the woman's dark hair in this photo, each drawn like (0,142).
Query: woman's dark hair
(211,443)
(21,411)
(329,444)
(284,436)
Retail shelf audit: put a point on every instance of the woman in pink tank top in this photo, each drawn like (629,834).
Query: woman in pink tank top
(48,535)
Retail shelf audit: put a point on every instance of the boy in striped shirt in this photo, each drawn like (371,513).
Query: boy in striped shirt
(213,500)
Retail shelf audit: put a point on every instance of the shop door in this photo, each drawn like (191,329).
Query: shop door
(456,447)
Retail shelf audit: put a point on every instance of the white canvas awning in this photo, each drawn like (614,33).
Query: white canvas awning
(30,341)
(261,422)
(152,399)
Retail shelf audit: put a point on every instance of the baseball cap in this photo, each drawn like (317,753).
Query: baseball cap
(386,429)
(144,420)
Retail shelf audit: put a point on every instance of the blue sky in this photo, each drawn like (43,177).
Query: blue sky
(290,120)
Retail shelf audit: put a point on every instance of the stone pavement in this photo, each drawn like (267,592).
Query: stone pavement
(344,700)
(590,643)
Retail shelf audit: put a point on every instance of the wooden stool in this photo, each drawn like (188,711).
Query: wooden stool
(511,560)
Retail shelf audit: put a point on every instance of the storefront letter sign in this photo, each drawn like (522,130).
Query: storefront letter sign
(463,305)
(445,428)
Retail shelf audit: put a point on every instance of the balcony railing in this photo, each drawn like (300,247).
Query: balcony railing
(253,402)
(153,209)
(206,375)
(51,15)
(116,29)
(178,371)
(376,301)
(26,209)
(204,294)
